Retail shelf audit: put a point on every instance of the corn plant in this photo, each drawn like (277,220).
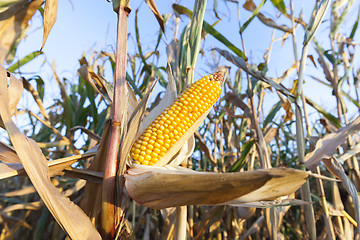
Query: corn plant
(110,160)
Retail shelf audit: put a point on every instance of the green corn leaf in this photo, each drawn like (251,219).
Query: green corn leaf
(195,38)
(253,15)
(315,20)
(354,28)
(327,115)
(245,150)
(210,30)
(272,114)
(279,4)
(24,60)
(340,20)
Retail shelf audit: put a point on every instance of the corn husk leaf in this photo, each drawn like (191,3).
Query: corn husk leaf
(69,216)
(326,146)
(169,97)
(185,152)
(154,186)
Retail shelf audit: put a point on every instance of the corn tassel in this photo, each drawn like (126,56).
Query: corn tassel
(176,119)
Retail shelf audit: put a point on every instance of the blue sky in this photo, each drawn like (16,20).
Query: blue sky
(84,26)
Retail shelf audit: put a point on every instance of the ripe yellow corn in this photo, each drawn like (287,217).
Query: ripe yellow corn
(176,119)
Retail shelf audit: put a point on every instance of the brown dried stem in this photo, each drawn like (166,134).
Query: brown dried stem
(118,126)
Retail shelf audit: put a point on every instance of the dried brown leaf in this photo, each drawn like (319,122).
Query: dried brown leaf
(270,134)
(36,97)
(91,200)
(50,13)
(11,169)
(98,85)
(15,87)
(69,216)
(8,154)
(162,187)
(255,227)
(159,18)
(250,6)
(204,148)
(326,146)
(13,22)
(336,168)
(20,192)
(269,22)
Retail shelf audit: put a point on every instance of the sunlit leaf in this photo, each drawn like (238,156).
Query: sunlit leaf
(159,18)
(326,146)
(279,4)
(254,13)
(24,60)
(14,21)
(316,20)
(69,216)
(154,186)
(50,13)
(245,150)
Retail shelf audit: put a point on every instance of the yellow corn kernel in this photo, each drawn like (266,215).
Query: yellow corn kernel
(176,119)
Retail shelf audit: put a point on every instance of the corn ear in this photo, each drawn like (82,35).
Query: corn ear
(167,133)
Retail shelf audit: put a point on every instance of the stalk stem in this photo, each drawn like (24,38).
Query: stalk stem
(109,221)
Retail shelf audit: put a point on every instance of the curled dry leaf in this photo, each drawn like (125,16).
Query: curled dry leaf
(8,154)
(326,146)
(15,87)
(157,14)
(14,168)
(50,13)
(336,168)
(162,187)
(169,97)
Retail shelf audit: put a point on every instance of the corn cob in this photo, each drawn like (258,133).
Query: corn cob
(176,119)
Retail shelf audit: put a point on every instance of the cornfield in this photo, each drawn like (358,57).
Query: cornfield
(194,135)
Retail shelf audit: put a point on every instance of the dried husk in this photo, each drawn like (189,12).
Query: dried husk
(162,187)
